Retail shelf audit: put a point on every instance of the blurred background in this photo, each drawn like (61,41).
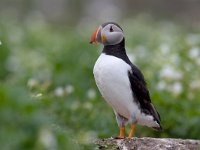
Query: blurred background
(48,97)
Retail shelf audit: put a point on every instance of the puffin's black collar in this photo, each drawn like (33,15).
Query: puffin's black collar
(117,50)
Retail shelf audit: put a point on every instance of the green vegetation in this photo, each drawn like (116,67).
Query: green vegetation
(48,97)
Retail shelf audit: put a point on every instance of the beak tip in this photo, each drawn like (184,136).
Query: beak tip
(93,39)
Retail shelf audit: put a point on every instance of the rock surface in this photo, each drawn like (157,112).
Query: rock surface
(148,143)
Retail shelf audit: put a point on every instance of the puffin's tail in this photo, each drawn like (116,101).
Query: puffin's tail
(157,118)
(158,128)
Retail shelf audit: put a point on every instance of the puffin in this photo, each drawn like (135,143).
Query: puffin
(121,83)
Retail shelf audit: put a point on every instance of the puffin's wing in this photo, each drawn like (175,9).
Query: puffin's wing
(141,93)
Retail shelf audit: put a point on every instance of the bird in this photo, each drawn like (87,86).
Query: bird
(121,83)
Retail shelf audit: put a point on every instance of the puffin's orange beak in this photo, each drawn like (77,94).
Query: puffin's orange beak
(93,38)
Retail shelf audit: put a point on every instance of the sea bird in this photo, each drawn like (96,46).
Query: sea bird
(121,83)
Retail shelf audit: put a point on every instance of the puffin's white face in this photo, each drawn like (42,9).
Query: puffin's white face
(107,34)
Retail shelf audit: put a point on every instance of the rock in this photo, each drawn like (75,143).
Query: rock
(148,143)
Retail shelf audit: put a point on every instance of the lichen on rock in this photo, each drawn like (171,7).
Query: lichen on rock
(148,143)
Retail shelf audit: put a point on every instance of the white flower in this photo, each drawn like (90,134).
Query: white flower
(59,91)
(175,59)
(165,49)
(88,106)
(69,89)
(188,66)
(194,52)
(89,137)
(0,42)
(75,105)
(161,85)
(198,61)
(47,139)
(176,88)
(169,72)
(193,39)
(32,83)
(195,84)
(91,93)
(38,95)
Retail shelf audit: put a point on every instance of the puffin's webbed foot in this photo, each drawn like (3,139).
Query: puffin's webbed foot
(121,121)
(131,131)
(122,133)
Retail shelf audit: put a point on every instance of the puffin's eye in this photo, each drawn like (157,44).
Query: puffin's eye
(111,29)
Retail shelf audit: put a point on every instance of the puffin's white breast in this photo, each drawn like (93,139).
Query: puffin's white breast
(111,76)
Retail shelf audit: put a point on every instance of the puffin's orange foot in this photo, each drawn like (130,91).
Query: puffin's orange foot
(132,131)
(121,134)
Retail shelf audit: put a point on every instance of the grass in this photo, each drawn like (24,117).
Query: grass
(49,99)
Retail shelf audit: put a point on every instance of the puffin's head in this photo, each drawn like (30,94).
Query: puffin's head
(108,33)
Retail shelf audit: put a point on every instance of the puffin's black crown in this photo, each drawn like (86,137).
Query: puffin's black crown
(105,24)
